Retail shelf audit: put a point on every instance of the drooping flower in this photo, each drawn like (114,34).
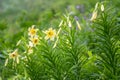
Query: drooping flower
(50,34)
(32,31)
(94,16)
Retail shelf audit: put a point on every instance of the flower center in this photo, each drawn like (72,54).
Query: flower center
(32,31)
(35,41)
(13,55)
(50,33)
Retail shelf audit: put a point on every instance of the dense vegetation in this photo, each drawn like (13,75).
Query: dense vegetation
(59,40)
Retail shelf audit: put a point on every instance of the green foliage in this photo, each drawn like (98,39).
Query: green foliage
(73,48)
(107,44)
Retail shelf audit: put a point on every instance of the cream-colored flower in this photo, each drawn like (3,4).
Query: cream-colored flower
(34,41)
(50,34)
(94,16)
(14,54)
(32,31)
(102,7)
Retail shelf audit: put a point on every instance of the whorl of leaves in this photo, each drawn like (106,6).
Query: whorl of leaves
(107,29)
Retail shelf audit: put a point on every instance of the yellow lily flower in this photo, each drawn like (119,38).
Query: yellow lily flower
(50,34)
(34,41)
(32,31)
(14,54)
